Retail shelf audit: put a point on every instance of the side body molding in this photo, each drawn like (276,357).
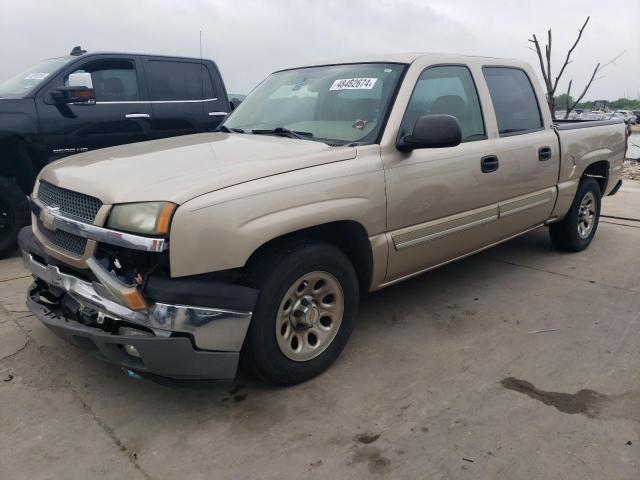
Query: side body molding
(443,227)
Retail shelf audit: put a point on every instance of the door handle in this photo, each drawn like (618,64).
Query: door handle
(544,153)
(137,115)
(218,114)
(489,164)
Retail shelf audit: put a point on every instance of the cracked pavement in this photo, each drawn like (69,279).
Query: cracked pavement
(442,379)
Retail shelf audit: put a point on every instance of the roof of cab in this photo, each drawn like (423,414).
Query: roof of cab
(409,57)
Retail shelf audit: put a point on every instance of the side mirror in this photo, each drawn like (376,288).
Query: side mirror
(432,131)
(79,91)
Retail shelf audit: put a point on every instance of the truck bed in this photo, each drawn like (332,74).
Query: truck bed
(573,124)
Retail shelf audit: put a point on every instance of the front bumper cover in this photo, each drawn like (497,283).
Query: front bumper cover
(176,341)
(170,357)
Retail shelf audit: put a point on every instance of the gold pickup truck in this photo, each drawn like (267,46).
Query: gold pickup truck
(175,258)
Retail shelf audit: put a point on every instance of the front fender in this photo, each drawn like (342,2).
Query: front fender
(221,230)
(18,118)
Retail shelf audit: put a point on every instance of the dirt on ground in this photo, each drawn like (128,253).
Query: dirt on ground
(631,169)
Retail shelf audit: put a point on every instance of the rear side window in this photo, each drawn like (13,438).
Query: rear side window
(447,90)
(514,100)
(113,80)
(176,81)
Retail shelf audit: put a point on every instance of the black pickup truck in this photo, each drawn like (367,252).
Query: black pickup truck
(84,101)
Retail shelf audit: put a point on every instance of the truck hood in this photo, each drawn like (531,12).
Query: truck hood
(181,168)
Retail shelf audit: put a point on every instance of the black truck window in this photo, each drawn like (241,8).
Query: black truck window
(113,80)
(179,81)
(514,100)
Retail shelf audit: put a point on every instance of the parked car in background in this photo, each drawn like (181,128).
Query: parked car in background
(327,182)
(626,115)
(85,101)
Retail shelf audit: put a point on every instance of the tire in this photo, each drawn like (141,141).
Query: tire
(575,232)
(14,214)
(285,312)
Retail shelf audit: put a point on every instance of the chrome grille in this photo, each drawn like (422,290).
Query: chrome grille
(65,240)
(72,204)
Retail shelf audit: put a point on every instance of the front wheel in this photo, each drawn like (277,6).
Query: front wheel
(305,311)
(575,232)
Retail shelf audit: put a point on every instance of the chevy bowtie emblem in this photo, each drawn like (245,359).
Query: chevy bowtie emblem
(47,217)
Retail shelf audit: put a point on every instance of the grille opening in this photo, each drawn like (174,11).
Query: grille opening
(65,240)
(73,204)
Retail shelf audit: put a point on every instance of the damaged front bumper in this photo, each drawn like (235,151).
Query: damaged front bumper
(174,340)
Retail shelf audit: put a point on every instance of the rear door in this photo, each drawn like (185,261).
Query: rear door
(121,113)
(527,149)
(183,96)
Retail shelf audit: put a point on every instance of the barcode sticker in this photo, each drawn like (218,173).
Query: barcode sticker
(353,84)
(36,76)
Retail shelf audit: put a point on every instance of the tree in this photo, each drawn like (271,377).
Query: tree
(562,102)
(550,83)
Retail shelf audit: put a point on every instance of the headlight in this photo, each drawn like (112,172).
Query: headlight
(150,217)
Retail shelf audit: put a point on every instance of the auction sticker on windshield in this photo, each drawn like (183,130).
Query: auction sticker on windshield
(36,76)
(353,84)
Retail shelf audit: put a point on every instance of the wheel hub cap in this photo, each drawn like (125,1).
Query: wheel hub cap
(586,215)
(305,313)
(310,316)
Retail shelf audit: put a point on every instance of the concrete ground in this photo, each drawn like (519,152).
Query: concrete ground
(517,363)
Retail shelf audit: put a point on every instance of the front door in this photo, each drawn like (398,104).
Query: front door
(120,115)
(442,203)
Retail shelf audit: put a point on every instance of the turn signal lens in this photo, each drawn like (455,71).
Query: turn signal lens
(164,219)
(134,299)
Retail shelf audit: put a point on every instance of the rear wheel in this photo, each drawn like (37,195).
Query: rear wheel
(14,214)
(575,232)
(305,311)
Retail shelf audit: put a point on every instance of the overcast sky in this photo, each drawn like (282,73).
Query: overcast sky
(250,38)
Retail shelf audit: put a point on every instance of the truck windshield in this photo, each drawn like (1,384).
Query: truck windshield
(24,83)
(336,104)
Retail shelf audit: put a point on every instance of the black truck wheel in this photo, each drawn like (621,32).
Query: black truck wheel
(14,214)
(305,311)
(575,232)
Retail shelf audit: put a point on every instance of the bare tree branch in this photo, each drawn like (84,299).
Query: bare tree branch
(584,92)
(552,85)
(613,61)
(549,54)
(567,60)
(539,52)
(566,114)
(593,78)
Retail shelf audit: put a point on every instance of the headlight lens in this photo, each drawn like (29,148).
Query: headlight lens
(149,217)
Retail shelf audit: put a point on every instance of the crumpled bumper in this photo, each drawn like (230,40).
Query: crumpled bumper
(170,357)
(168,340)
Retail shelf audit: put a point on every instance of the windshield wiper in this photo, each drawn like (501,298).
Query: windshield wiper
(284,131)
(224,129)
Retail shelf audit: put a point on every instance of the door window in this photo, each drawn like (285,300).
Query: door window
(179,81)
(447,90)
(514,100)
(113,80)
